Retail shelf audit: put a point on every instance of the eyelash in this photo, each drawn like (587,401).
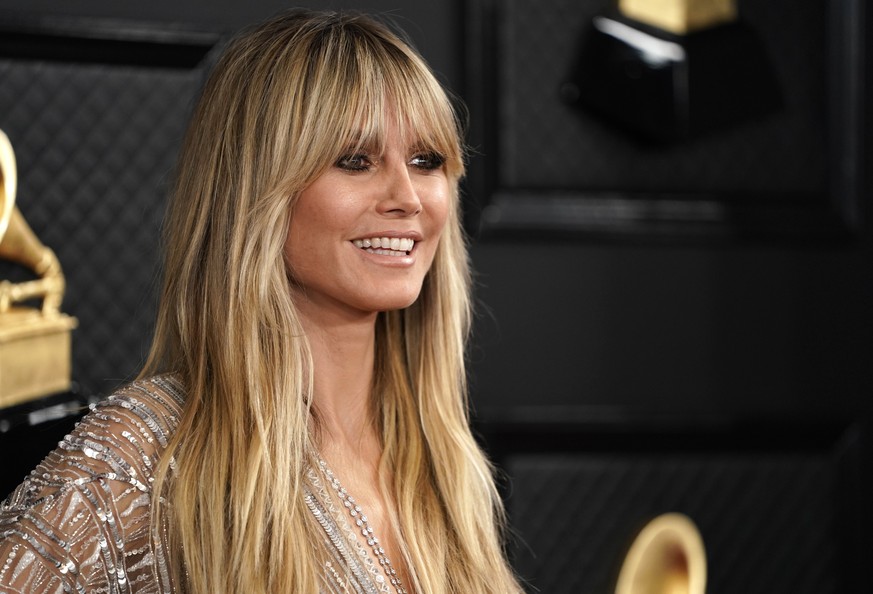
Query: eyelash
(427,161)
(431,161)
(354,162)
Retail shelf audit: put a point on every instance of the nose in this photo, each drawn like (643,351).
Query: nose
(401,197)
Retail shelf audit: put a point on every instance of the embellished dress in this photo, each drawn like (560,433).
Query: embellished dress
(81,521)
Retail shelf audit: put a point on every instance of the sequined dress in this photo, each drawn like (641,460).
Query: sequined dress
(81,521)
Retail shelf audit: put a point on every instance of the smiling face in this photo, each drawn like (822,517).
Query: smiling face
(364,233)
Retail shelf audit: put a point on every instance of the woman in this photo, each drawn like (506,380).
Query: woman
(301,423)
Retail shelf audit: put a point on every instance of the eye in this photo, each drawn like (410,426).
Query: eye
(428,161)
(354,162)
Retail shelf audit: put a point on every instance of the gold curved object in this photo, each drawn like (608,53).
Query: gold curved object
(667,557)
(34,343)
(9,176)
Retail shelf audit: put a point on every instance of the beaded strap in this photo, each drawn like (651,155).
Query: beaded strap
(360,520)
(376,578)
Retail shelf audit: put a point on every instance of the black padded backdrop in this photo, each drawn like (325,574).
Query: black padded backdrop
(767,520)
(544,144)
(95,146)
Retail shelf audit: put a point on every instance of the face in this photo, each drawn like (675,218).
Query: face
(363,235)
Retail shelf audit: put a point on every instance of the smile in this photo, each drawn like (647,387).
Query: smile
(384,246)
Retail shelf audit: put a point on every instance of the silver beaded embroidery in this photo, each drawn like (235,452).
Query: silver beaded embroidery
(80,522)
(359,518)
(332,519)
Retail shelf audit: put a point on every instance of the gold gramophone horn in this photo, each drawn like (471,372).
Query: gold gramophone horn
(19,244)
(9,175)
(34,343)
(667,557)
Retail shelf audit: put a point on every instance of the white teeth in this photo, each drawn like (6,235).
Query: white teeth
(395,246)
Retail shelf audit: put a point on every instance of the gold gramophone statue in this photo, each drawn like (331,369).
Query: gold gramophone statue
(34,342)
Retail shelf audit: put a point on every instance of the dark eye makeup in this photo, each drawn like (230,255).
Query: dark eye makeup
(354,162)
(425,161)
(429,160)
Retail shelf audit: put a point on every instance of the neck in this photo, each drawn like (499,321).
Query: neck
(343,354)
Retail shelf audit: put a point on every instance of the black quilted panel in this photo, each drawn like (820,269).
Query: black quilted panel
(766,520)
(546,144)
(95,146)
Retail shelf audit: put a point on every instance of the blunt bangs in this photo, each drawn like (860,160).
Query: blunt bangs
(359,81)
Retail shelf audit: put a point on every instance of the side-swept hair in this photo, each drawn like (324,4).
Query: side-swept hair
(284,102)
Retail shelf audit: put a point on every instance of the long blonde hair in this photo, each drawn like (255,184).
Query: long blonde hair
(284,102)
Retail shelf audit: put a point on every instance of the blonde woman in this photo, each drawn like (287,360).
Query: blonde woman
(301,425)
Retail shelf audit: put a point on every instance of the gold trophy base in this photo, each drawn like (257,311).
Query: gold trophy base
(34,354)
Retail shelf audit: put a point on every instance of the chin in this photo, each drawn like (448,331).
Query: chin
(397,305)
(393,298)
(395,302)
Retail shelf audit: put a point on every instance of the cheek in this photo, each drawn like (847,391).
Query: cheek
(294,259)
(446,212)
(299,243)
(311,221)
(442,208)
(442,220)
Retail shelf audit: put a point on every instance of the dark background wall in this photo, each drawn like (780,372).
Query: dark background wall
(645,366)
(726,326)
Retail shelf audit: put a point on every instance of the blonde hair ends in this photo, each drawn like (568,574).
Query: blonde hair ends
(284,102)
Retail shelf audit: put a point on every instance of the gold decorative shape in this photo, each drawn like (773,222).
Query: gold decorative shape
(680,16)
(35,343)
(667,557)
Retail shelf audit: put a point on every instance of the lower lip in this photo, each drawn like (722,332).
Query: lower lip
(384,260)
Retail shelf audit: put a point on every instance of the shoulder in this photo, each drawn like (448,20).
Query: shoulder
(139,418)
(84,513)
(119,440)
